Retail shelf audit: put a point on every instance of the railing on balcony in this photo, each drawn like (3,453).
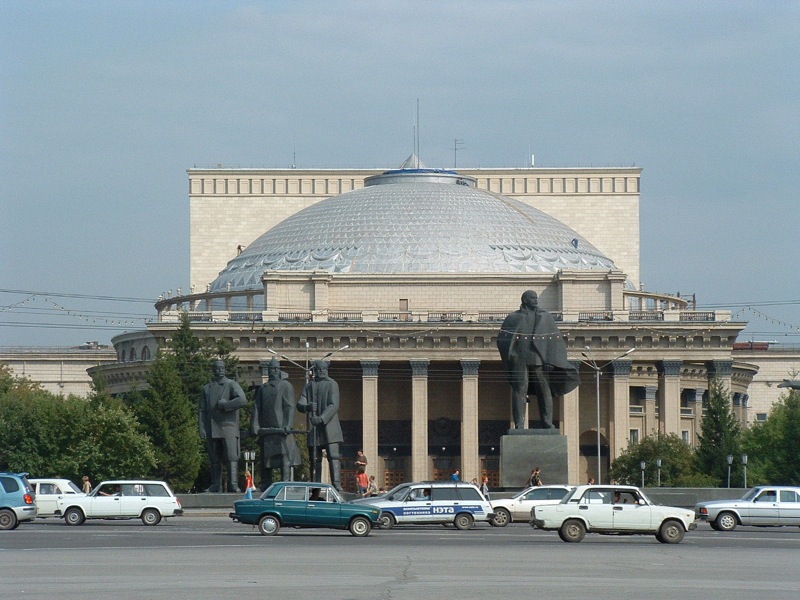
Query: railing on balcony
(394,316)
(646,315)
(445,317)
(196,315)
(294,316)
(492,317)
(596,315)
(246,316)
(345,316)
(697,315)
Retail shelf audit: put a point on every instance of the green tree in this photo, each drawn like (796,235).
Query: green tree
(772,445)
(720,437)
(47,435)
(677,463)
(169,419)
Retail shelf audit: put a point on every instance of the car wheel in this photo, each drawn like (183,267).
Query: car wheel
(151,517)
(572,530)
(8,520)
(387,520)
(726,521)
(670,532)
(360,526)
(714,526)
(463,521)
(269,525)
(501,517)
(74,516)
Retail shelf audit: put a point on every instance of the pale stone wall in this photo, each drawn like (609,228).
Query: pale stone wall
(232,207)
(774,366)
(58,370)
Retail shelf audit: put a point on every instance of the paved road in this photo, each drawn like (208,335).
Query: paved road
(211,557)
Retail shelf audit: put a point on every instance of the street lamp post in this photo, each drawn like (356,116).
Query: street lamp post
(658,464)
(744,466)
(642,465)
(592,364)
(729,458)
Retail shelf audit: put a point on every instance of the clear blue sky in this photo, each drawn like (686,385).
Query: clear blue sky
(104,105)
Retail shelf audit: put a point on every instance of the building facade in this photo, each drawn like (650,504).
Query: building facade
(405,276)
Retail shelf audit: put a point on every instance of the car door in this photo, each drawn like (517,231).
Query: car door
(631,513)
(133,498)
(417,506)
(47,495)
(595,506)
(763,510)
(291,504)
(789,507)
(105,502)
(521,508)
(326,512)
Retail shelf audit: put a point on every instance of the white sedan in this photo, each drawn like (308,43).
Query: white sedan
(612,509)
(149,501)
(518,508)
(50,491)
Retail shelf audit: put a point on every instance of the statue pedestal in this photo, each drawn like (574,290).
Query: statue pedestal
(522,450)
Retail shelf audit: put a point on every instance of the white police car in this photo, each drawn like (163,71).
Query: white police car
(445,502)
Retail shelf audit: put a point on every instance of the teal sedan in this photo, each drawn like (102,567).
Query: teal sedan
(304,504)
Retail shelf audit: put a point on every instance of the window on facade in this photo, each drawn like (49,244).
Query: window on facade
(634,437)
(685,437)
(761,416)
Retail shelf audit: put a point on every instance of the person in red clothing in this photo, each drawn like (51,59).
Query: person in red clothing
(362,482)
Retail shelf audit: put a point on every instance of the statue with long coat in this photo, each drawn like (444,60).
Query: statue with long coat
(535,357)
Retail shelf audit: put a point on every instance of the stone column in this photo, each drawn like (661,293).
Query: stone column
(650,421)
(620,410)
(369,414)
(720,370)
(570,427)
(696,400)
(419,419)
(669,394)
(470,456)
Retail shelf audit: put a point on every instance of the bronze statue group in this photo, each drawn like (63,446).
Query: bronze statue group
(273,421)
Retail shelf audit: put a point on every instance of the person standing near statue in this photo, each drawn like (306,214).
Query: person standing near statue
(219,426)
(272,420)
(535,356)
(320,399)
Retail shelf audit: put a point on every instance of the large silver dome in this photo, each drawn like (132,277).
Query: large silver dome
(414,221)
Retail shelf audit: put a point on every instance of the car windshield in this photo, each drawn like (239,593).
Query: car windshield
(398,492)
(751,494)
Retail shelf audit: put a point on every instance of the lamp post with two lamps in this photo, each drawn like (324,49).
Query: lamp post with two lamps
(592,364)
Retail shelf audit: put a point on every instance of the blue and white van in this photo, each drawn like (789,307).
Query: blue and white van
(459,503)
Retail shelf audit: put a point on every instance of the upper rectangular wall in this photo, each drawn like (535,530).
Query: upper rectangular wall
(232,207)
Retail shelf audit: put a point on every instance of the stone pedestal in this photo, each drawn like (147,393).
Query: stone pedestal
(522,450)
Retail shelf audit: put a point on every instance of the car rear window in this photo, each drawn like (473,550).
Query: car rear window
(10,484)
(154,489)
(468,493)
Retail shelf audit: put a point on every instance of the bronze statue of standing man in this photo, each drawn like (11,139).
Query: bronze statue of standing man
(219,426)
(272,420)
(535,357)
(320,399)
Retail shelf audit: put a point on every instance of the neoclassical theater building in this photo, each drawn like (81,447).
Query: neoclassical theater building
(403,277)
